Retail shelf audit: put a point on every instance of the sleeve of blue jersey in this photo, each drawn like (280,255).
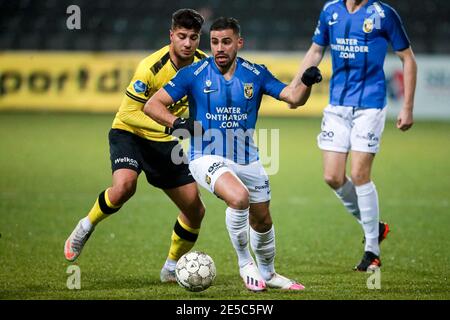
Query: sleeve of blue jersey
(321,36)
(395,30)
(272,86)
(178,86)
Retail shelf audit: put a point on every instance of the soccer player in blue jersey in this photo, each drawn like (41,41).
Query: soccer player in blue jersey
(358,33)
(224,93)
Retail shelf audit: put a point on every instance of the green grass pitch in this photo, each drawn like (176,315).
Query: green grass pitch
(52,167)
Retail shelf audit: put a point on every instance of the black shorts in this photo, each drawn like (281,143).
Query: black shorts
(129,151)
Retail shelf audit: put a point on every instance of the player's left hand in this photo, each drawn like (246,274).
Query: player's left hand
(405,119)
(311,76)
(193,127)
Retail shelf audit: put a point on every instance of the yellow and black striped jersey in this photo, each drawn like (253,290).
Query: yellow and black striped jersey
(152,73)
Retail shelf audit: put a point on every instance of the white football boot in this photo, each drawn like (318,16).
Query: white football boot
(280,282)
(252,277)
(167,275)
(75,243)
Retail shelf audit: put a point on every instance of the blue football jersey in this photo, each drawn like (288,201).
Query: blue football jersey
(227,109)
(358,44)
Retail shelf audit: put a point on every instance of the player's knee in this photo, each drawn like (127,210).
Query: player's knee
(194,213)
(198,211)
(261,224)
(334,181)
(360,177)
(125,190)
(239,200)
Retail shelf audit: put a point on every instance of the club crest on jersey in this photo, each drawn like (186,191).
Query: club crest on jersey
(248,90)
(208,83)
(368,25)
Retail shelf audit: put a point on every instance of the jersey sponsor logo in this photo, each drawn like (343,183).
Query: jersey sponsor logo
(372,137)
(250,67)
(200,69)
(264,186)
(348,48)
(327,135)
(139,86)
(368,25)
(130,161)
(330,23)
(230,117)
(208,179)
(215,166)
(317,31)
(248,90)
(379,9)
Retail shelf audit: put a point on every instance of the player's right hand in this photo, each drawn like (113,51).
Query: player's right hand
(311,76)
(187,124)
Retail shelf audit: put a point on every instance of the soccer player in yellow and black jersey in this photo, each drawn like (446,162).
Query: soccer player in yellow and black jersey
(138,143)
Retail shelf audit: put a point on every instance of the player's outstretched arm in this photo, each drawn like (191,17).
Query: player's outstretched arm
(156,108)
(297,94)
(299,89)
(405,116)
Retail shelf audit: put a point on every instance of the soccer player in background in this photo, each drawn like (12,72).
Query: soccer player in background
(358,33)
(225,93)
(137,143)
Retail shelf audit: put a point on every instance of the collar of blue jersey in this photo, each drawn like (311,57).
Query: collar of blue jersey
(216,68)
(366,5)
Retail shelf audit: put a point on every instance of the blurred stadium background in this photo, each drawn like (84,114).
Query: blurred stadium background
(59,89)
(142,25)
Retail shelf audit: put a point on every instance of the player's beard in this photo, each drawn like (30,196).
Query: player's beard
(225,64)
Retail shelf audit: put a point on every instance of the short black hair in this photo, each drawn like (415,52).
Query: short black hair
(223,23)
(187,18)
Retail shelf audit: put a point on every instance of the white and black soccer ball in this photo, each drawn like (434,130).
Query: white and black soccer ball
(195,271)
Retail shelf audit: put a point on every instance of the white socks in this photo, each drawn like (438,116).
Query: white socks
(362,203)
(347,194)
(238,225)
(263,245)
(368,207)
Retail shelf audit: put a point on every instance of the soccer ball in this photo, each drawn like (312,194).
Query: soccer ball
(195,271)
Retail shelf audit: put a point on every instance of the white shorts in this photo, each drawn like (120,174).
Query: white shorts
(348,128)
(207,169)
